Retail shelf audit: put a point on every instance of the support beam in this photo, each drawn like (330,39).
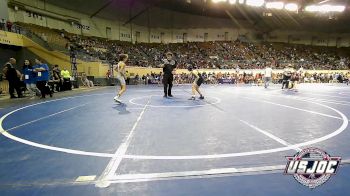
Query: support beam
(141,12)
(103,7)
(137,15)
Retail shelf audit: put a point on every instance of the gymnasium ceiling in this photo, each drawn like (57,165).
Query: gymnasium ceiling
(238,15)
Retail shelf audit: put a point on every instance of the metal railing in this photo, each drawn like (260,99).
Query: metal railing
(35,38)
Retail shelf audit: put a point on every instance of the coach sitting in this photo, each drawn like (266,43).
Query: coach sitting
(67,85)
(85,81)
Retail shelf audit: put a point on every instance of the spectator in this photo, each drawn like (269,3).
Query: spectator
(67,85)
(86,81)
(62,33)
(127,75)
(13,76)
(2,24)
(42,77)
(44,37)
(30,79)
(56,72)
(109,77)
(9,26)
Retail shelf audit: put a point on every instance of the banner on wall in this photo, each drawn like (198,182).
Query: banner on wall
(226,81)
(9,38)
(153,81)
(84,26)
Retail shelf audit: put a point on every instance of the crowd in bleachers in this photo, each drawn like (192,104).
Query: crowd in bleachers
(236,55)
(39,80)
(241,78)
(219,55)
(213,55)
(7,25)
(53,37)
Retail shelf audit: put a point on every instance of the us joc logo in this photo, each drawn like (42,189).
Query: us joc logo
(312,167)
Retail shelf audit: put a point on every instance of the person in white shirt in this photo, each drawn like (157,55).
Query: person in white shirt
(85,81)
(301,71)
(294,80)
(267,75)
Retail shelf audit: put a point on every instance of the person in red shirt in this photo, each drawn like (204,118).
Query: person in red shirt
(9,26)
(108,77)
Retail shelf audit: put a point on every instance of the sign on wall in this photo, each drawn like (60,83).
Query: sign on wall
(34,15)
(33,18)
(84,25)
(11,38)
(125,35)
(155,37)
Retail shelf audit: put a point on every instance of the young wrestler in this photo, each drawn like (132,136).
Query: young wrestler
(287,73)
(267,76)
(196,84)
(120,75)
(294,80)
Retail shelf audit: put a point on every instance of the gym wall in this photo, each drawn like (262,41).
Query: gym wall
(171,29)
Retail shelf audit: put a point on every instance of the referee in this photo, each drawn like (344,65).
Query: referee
(169,65)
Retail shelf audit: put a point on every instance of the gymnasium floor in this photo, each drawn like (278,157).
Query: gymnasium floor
(232,143)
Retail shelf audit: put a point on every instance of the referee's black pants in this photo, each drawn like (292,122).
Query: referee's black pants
(285,82)
(44,89)
(15,85)
(168,84)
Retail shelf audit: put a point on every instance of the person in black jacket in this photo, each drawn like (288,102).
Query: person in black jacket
(169,66)
(56,74)
(13,77)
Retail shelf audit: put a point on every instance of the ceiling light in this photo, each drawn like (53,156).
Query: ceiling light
(255,3)
(274,5)
(232,1)
(291,7)
(325,8)
(218,1)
